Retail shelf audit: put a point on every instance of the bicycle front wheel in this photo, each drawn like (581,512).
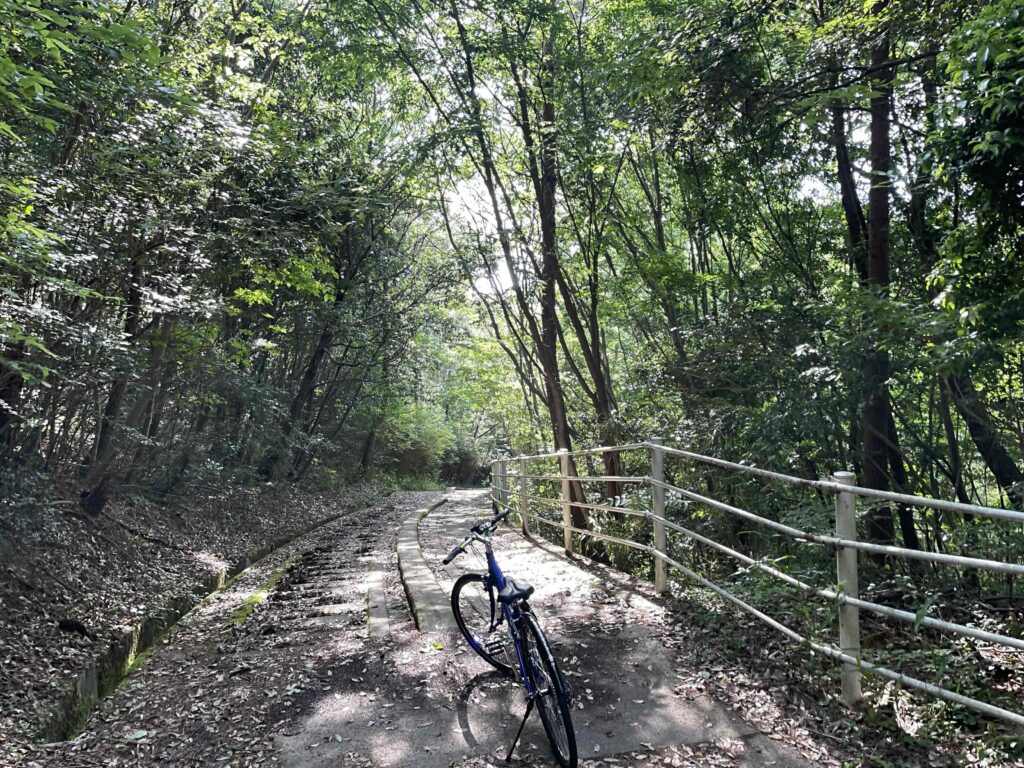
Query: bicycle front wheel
(552,693)
(478,614)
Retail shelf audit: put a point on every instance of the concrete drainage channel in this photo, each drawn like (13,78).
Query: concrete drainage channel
(108,670)
(427,601)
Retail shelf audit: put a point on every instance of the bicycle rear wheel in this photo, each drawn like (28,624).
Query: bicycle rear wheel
(552,693)
(478,613)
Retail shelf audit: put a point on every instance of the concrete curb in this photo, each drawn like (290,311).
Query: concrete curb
(430,606)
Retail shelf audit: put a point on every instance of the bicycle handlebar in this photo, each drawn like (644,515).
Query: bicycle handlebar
(477,530)
(453,554)
(491,524)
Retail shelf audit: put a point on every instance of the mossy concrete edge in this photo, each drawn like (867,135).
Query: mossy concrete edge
(111,667)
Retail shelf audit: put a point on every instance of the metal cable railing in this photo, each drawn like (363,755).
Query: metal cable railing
(589,478)
(517,497)
(832,541)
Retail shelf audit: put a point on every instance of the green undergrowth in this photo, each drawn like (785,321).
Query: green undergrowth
(139,660)
(410,482)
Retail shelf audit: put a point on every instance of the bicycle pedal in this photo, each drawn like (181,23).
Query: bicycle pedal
(495,646)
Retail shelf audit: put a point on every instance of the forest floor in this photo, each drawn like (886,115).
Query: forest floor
(71,586)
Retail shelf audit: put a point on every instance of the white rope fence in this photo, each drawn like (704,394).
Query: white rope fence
(511,490)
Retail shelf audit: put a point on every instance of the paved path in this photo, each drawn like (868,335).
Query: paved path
(241,669)
(429,604)
(311,659)
(451,707)
(609,632)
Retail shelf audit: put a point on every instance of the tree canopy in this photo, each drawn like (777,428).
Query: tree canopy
(252,238)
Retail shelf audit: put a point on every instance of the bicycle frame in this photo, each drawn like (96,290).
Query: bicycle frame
(512,616)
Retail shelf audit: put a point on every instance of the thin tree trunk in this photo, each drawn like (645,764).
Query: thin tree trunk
(11,380)
(952,446)
(548,350)
(875,414)
(970,576)
(369,446)
(972,410)
(856,226)
(901,481)
(133,311)
(100,480)
(11,383)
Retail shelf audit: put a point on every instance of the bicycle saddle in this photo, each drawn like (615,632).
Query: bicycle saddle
(513,591)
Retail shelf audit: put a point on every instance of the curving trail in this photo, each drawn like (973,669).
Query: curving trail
(311,659)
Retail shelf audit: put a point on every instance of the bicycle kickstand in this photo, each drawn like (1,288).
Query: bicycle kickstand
(515,741)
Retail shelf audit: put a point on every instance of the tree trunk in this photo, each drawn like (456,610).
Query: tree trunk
(970,576)
(11,382)
(100,480)
(971,407)
(875,414)
(346,269)
(901,481)
(307,383)
(366,458)
(548,350)
(112,409)
(856,227)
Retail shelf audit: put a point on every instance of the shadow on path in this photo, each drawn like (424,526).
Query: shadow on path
(426,700)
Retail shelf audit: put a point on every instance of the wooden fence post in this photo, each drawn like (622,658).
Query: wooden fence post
(563,455)
(658,512)
(846,568)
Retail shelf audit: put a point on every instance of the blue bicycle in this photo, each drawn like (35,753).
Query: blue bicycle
(482,603)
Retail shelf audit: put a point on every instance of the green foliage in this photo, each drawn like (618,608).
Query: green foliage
(985,110)
(417,437)
(212,258)
(407,482)
(978,146)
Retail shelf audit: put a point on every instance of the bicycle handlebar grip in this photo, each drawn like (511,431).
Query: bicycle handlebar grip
(452,555)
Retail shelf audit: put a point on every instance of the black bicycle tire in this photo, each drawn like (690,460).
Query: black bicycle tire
(529,624)
(464,579)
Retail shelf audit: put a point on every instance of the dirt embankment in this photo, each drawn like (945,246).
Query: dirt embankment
(80,598)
